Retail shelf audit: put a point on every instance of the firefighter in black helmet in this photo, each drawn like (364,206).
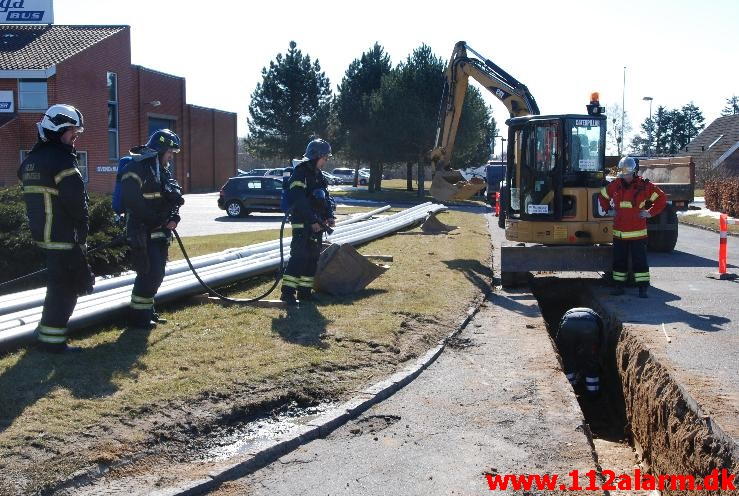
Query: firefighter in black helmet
(579,339)
(151,199)
(311,214)
(56,204)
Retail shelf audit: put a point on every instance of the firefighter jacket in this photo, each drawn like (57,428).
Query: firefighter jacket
(55,197)
(146,193)
(628,200)
(307,192)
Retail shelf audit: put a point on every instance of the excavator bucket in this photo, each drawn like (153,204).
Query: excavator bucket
(343,270)
(450,185)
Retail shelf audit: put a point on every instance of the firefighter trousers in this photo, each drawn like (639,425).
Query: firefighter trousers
(61,296)
(637,248)
(579,346)
(146,284)
(305,250)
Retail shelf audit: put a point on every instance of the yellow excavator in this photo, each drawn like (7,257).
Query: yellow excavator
(555,169)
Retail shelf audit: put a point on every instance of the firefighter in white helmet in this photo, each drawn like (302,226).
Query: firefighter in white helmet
(56,205)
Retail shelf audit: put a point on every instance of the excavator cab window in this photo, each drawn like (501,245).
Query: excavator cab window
(515,150)
(540,170)
(585,151)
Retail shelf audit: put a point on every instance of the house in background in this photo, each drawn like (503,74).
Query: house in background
(717,145)
(90,67)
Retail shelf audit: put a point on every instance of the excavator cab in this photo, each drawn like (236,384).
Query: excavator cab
(555,171)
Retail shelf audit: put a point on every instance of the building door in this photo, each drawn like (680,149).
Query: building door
(155,124)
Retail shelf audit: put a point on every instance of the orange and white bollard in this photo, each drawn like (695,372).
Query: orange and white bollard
(723,224)
(497,203)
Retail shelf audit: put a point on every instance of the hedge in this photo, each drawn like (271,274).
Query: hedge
(722,195)
(19,255)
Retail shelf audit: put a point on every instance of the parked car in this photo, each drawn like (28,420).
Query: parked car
(347,176)
(331,179)
(243,195)
(253,172)
(363,177)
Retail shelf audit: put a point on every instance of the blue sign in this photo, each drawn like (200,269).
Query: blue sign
(27,11)
(6,101)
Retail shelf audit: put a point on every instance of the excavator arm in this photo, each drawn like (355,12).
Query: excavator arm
(514,95)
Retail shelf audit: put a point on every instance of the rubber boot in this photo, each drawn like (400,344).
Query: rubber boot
(305,294)
(156,318)
(288,296)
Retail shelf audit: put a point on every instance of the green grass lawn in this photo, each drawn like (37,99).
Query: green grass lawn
(704,221)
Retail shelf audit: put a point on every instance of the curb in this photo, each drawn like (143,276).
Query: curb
(326,423)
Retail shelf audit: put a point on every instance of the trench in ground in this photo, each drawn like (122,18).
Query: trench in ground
(642,418)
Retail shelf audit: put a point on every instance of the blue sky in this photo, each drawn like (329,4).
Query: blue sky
(675,51)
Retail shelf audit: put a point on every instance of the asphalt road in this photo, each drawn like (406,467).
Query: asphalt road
(201,216)
(700,315)
(495,402)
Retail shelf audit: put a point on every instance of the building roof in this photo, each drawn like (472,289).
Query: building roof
(41,46)
(716,140)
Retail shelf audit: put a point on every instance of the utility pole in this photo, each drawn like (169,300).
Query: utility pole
(502,142)
(623,112)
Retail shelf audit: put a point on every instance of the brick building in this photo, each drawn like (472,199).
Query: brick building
(90,67)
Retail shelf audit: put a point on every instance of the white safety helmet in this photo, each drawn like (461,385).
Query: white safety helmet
(627,165)
(57,118)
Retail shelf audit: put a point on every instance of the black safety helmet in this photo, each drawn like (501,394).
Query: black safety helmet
(163,140)
(317,148)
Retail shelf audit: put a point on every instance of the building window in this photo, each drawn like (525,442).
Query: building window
(82,162)
(32,94)
(112,116)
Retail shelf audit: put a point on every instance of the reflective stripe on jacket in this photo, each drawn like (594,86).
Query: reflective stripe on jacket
(142,193)
(55,197)
(628,200)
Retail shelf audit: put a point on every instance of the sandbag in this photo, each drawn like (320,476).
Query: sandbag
(343,270)
(432,225)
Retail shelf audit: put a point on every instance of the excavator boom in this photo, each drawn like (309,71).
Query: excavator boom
(513,94)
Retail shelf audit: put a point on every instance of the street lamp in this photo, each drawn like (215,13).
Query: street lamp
(651,125)
(502,142)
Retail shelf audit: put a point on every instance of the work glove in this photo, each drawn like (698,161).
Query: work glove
(84,279)
(644,214)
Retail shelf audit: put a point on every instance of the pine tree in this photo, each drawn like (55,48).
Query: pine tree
(289,106)
(692,122)
(732,106)
(406,106)
(356,128)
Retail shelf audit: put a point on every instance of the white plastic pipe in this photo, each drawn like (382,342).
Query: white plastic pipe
(19,327)
(15,302)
